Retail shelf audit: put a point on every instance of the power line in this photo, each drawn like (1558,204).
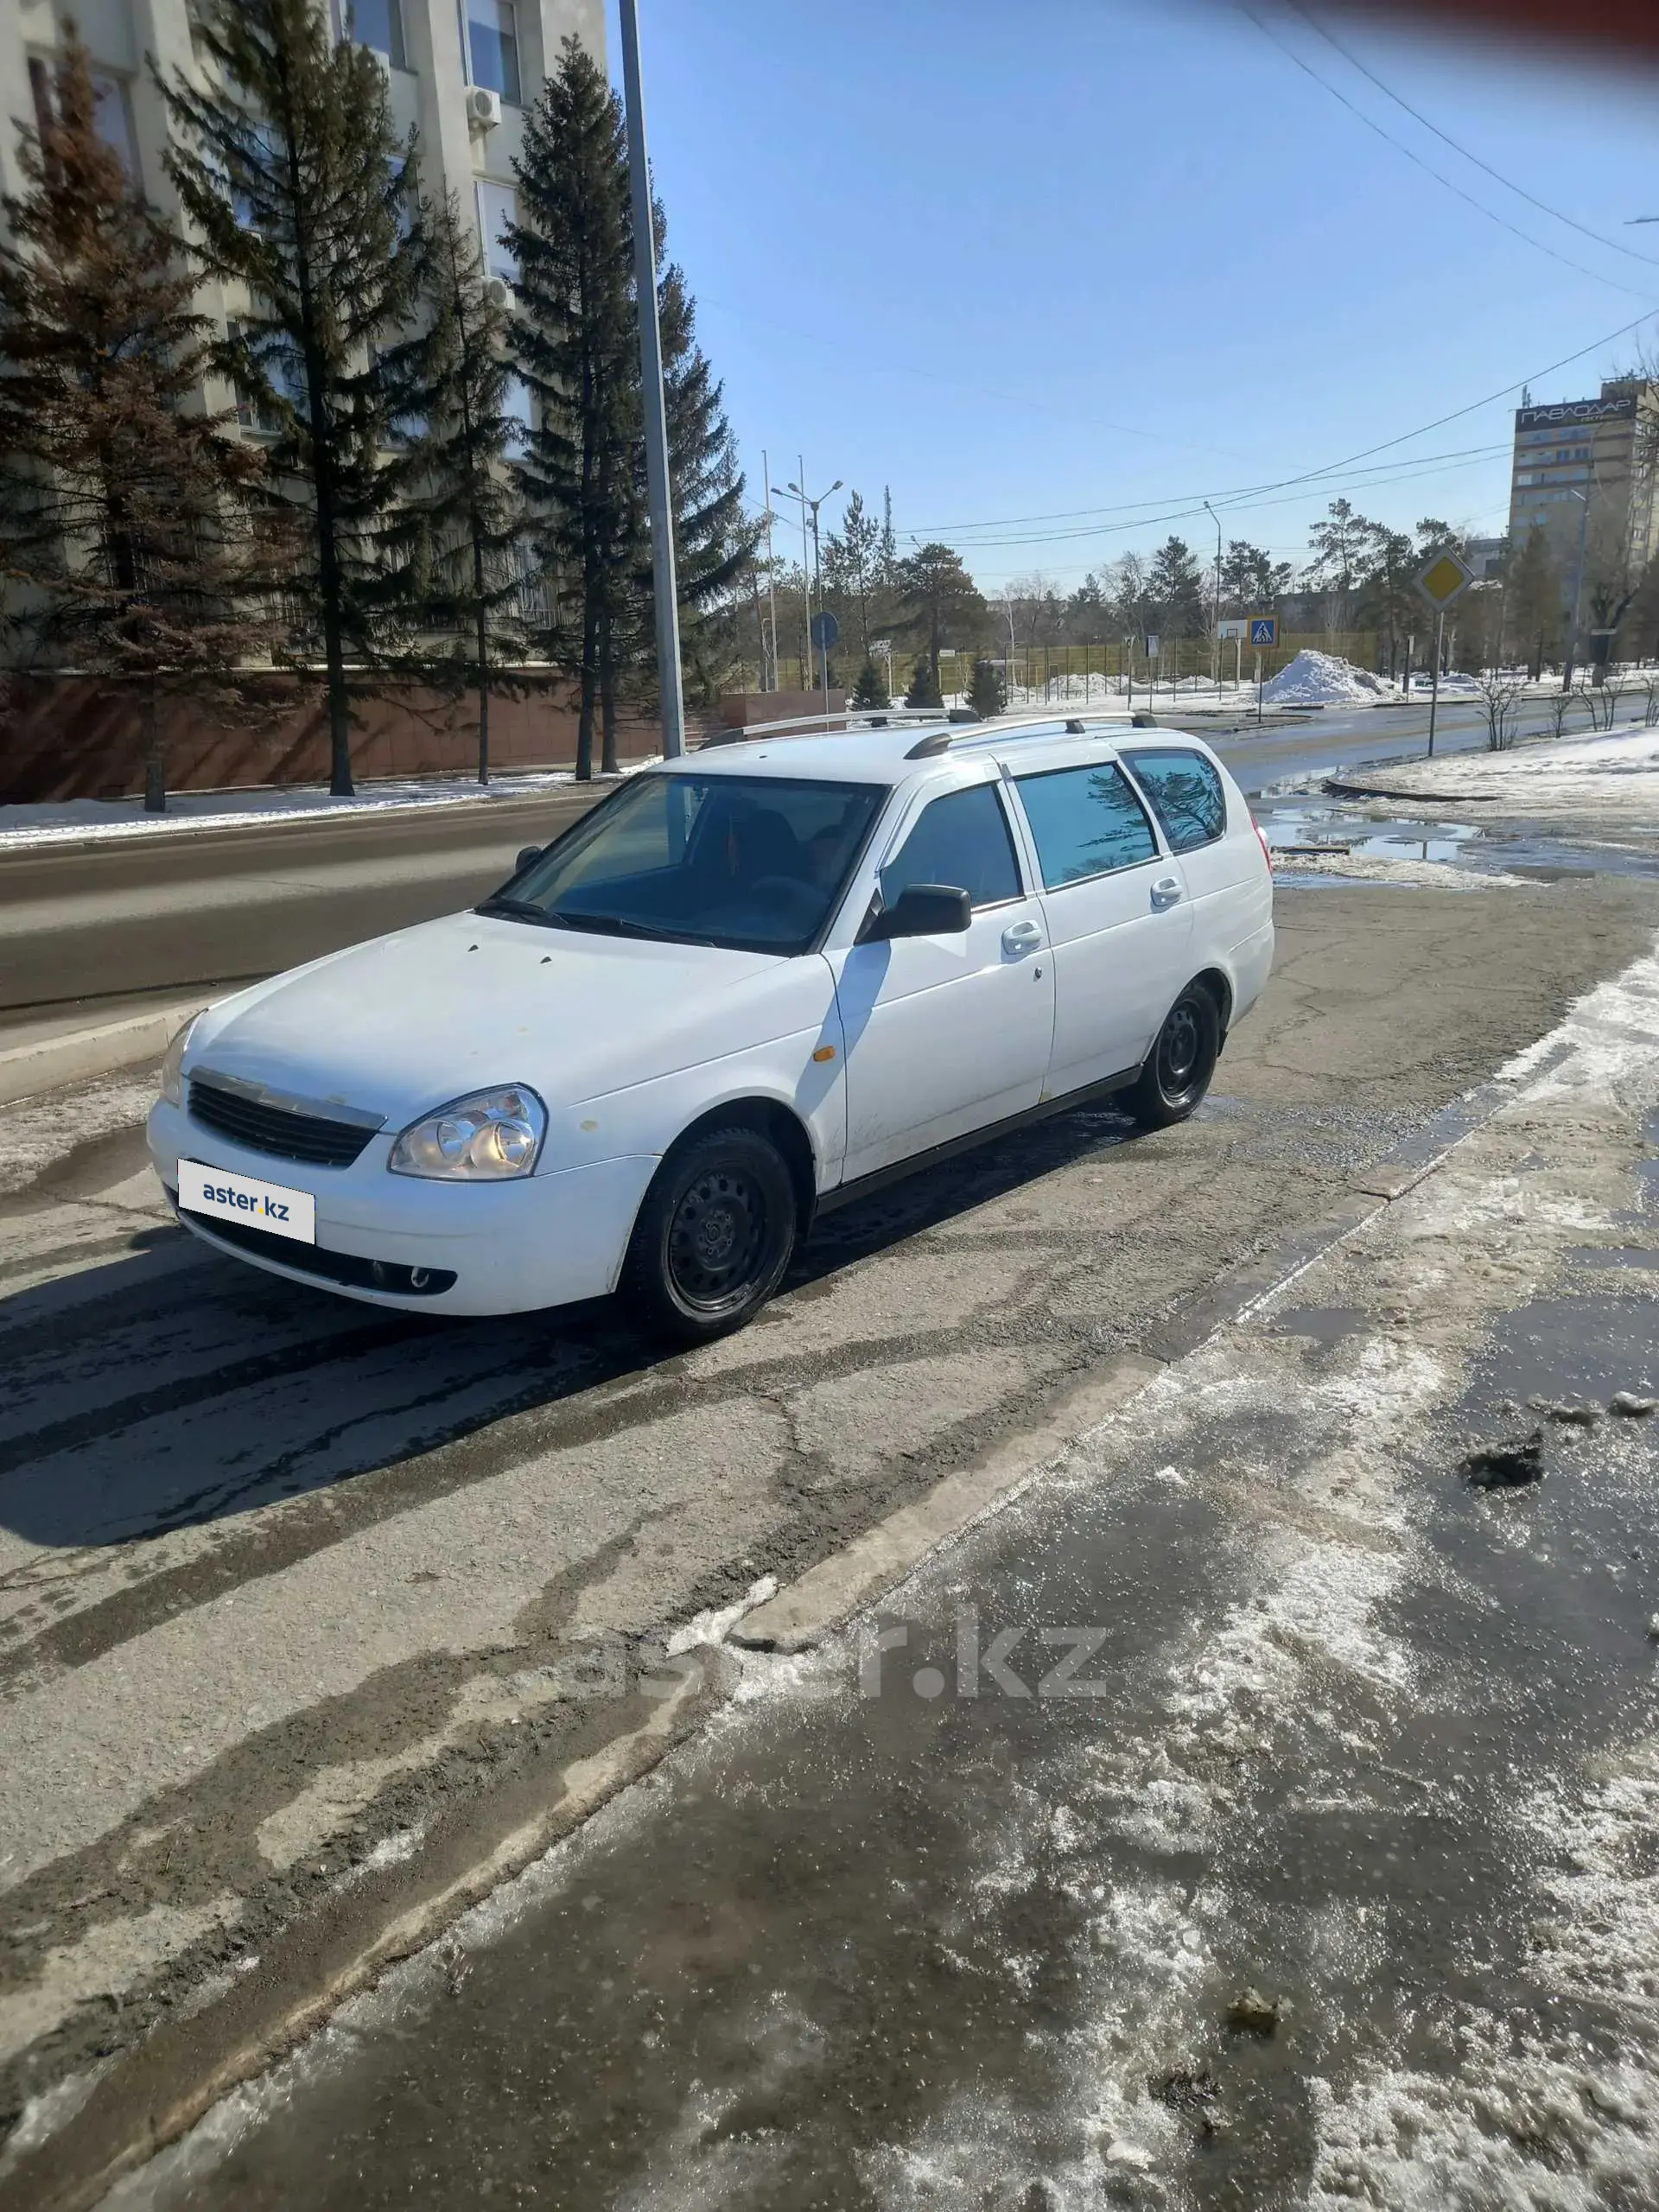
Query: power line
(1234,492)
(1411,154)
(1405,437)
(1406,475)
(1446,139)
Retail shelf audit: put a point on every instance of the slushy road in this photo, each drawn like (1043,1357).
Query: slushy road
(222,907)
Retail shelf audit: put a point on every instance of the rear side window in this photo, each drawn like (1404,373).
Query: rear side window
(1086,822)
(961,840)
(1186,793)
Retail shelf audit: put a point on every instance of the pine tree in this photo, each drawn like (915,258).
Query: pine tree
(125,523)
(870,691)
(1176,588)
(924,685)
(988,694)
(465,515)
(939,597)
(715,540)
(576,342)
(851,556)
(301,193)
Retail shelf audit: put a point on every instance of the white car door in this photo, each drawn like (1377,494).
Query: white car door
(1118,916)
(946,1035)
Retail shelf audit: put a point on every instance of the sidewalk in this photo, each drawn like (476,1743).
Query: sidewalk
(95,821)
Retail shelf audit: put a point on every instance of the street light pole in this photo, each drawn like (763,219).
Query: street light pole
(1215,518)
(812,566)
(771,576)
(664,586)
(1583,498)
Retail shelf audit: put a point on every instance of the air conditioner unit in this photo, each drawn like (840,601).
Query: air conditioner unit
(498,293)
(483,108)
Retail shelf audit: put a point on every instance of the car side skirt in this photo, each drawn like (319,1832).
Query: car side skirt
(864,1187)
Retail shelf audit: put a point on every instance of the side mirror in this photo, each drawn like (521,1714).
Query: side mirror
(527,854)
(924,910)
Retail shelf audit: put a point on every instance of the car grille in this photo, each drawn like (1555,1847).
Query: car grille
(275,1129)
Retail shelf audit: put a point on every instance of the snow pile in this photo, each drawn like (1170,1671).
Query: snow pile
(1315,679)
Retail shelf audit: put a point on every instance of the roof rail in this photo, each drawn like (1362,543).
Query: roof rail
(822,725)
(946,741)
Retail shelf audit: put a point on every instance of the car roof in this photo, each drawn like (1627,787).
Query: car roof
(895,754)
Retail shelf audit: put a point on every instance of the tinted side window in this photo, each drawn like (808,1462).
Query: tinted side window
(1186,792)
(1086,822)
(961,839)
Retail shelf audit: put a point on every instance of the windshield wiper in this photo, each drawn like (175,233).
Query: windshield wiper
(520,910)
(612,925)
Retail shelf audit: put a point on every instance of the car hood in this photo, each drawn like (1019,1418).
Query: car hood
(405,1022)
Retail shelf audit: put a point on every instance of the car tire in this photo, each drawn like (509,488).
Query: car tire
(713,1238)
(1178,1069)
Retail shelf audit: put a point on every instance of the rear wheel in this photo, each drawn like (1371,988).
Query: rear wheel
(1178,1068)
(713,1238)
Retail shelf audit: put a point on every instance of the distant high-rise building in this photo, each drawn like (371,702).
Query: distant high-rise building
(461,72)
(1583,472)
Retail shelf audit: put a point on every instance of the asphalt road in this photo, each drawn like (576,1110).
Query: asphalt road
(191,909)
(313,1618)
(1257,1814)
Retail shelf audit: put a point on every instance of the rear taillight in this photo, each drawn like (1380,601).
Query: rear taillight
(1261,840)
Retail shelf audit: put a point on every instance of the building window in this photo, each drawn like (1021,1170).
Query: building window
(492,47)
(380,24)
(496,209)
(112,119)
(515,404)
(112,110)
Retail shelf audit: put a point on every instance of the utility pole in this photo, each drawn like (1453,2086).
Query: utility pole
(660,491)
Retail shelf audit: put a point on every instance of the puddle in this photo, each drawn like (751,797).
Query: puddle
(1313,825)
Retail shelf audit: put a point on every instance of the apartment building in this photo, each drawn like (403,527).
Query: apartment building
(1583,471)
(460,71)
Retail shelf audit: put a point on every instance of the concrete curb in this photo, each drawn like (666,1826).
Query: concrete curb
(44,1063)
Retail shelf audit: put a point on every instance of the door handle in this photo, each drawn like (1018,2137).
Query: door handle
(1022,936)
(1166,891)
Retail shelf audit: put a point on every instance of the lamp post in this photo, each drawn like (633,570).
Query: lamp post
(809,507)
(1583,498)
(1215,518)
(659,495)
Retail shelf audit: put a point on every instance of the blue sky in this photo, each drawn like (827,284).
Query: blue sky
(1065,257)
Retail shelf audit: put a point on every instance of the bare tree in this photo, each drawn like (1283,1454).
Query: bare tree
(1558,705)
(1500,691)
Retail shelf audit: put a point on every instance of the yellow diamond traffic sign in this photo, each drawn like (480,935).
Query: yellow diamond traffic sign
(1445,578)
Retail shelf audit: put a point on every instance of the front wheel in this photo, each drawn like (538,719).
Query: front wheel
(1179,1066)
(714,1238)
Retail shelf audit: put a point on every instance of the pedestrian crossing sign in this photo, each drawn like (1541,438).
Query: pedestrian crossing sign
(1264,629)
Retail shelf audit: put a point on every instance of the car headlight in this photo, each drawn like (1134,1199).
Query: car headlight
(173,1064)
(488,1138)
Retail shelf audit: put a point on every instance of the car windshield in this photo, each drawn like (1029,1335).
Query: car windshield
(755,862)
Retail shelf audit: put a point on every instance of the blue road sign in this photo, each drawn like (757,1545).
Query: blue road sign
(1264,629)
(826,631)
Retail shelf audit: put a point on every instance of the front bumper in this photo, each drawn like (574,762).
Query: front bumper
(548,1239)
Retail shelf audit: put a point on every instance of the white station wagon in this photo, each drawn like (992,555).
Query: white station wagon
(751,985)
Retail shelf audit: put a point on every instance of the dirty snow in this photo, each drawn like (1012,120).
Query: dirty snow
(1317,679)
(1612,779)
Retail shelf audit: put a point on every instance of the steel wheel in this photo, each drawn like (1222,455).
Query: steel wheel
(718,1232)
(713,1235)
(1179,1066)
